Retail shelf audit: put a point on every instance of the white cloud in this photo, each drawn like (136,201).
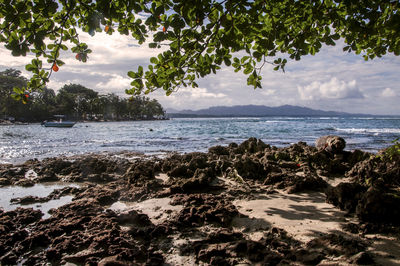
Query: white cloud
(268,92)
(388,92)
(191,98)
(116,82)
(203,93)
(333,89)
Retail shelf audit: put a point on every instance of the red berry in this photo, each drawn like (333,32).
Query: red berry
(55,67)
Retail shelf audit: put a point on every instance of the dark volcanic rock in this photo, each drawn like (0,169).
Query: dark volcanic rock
(252,145)
(13,233)
(200,181)
(362,258)
(249,168)
(307,183)
(25,183)
(377,170)
(219,150)
(224,247)
(184,166)
(4,181)
(28,200)
(140,172)
(346,196)
(379,206)
(56,166)
(87,232)
(204,208)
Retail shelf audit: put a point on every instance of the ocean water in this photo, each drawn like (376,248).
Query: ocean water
(19,143)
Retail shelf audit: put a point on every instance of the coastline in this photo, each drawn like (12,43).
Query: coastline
(187,135)
(244,203)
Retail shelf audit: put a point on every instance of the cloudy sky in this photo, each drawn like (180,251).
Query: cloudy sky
(331,80)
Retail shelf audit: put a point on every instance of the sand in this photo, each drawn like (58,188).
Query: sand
(304,216)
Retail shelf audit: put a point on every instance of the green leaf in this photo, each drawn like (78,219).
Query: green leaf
(30,67)
(140,71)
(153,60)
(132,74)
(247,71)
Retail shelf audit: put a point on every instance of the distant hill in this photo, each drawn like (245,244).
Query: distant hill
(255,111)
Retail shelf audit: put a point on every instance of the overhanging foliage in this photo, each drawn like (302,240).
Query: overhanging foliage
(200,35)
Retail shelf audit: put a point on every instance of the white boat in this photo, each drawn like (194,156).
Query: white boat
(59,123)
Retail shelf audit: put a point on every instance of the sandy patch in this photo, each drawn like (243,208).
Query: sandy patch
(162,178)
(158,210)
(304,216)
(385,248)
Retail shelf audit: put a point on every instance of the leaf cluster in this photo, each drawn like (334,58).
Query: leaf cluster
(200,36)
(392,152)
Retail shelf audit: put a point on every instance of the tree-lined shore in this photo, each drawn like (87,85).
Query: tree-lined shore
(73,100)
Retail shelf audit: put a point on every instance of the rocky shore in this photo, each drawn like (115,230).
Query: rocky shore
(248,203)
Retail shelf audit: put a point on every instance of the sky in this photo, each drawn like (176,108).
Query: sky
(332,80)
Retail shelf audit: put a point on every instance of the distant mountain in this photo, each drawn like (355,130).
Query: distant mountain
(256,111)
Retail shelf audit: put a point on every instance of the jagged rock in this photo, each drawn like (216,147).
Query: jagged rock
(56,166)
(25,183)
(379,206)
(219,150)
(100,178)
(376,168)
(87,231)
(248,167)
(184,165)
(4,181)
(252,145)
(346,196)
(140,172)
(362,258)
(204,208)
(93,165)
(48,176)
(28,200)
(307,183)
(133,217)
(200,181)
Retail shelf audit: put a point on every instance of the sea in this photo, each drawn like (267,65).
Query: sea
(19,143)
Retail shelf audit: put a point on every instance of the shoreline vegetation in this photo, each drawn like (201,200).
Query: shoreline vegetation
(248,203)
(7,122)
(74,101)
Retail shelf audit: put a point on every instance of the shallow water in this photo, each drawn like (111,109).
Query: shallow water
(19,143)
(40,190)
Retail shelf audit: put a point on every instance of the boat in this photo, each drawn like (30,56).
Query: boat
(59,123)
